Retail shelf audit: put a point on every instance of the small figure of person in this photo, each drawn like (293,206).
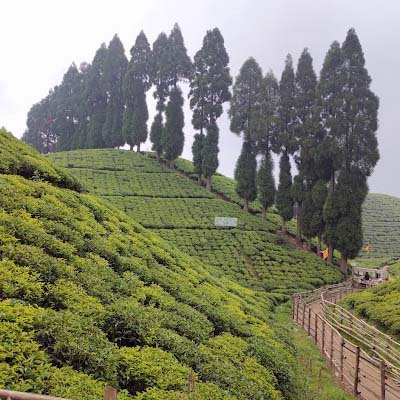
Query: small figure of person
(366,276)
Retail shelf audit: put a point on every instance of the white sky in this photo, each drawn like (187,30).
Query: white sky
(39,40)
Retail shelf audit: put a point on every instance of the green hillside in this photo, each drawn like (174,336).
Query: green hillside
(181,212)
(379,305)
(381,227)
(89,297)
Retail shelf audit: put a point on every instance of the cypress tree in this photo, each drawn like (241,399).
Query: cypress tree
(266,184)
(245,174)
(298,194)
(66,102)
(159,78)
(245,105)
(286,112)
(156,135)
(210,153)
(173,137)
(115,65)
(197,151)
(319,193)
(96,98)
(267,139)
(137,82)
(209,89)
(286,141)
(284,201)
(305,127)
(179,64)
(179,68)
(40,122)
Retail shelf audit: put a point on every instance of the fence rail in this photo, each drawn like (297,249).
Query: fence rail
(109,394)
(364,359)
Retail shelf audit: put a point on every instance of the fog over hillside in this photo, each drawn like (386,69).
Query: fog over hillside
(62,32)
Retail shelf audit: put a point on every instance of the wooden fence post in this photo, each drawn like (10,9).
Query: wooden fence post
(110,393)
(297,311)
(341,358)
(383,380)
(303,316)
(331,349)
(356,371)
(316,329)
(293,306)
(323,337)
(309,321)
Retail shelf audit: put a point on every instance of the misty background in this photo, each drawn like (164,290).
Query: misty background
(39,40)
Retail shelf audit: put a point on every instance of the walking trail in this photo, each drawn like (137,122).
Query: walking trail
(363,359)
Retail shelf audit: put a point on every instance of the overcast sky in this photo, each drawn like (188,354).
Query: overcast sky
(40,39)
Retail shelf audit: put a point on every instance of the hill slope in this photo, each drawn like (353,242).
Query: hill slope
(88,297)
(178,210)
(381,228)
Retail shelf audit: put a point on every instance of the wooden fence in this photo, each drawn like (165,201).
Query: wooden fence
(364,359)
(109,394)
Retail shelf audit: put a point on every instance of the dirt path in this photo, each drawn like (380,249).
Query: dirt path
(341,355)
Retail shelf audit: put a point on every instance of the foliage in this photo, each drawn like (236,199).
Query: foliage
(379,305)
(284,201)
(19,159)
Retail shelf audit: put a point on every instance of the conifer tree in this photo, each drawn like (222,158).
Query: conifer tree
(266,184)
(245,105)
(209,89)
(173,137)
(284,201)
(286,140)
(66,102)
(305,129)
(137,82)
(298,192)
(210,153)
(156,135)
(40,133)
(319,193)
(159,78)
(197,151)
(267,133)
(96,98)
(115,65)
(179,68)
(245,174)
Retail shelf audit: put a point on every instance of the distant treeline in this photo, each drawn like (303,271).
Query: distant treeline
(327,125)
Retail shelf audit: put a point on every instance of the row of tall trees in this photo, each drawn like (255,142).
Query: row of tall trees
(327,126)
(103,104)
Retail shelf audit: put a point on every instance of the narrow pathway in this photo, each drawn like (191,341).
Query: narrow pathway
(364,376)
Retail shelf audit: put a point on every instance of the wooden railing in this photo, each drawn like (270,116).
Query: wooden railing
(364,359)
(109,394)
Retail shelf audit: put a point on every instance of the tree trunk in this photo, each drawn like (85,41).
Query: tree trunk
(199,180)
(283,227)
(343,264)
(158,158)
(208,183)
(264,212)
(138,148)
(130,147)
(172,164)
(308,244)
(298,221)
(319,246)
(246,205)
(330,254)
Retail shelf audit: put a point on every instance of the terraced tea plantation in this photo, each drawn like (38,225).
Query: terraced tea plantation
(381,224)
(173,205)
